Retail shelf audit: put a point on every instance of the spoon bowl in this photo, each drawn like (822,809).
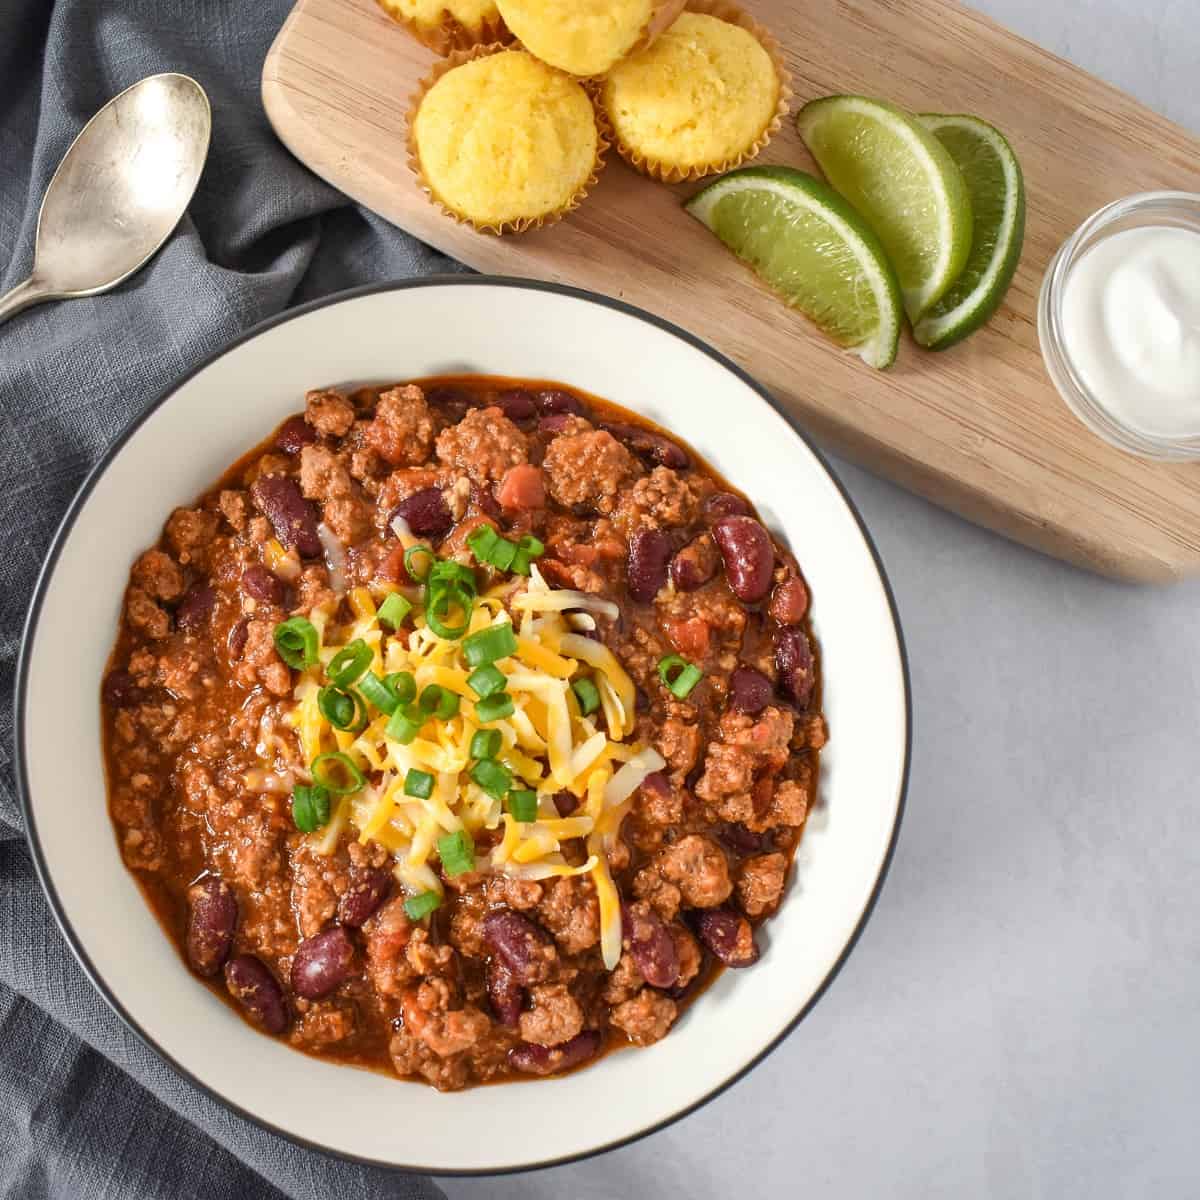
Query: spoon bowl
(119,191)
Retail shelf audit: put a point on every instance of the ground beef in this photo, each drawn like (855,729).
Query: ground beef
(324,477)
(428,1016)
(401,432)
(589,470)
(329,413)
(697,866)
(760,884)
(260,662)
(158,575)
(737,780)
(144,614)
(190,532)
(323,1023)
(645,1018)
(235,509)
(665,898)
(570,912)
(679,743)
(687,950)
(388,933)
(484,444)
(663,499)
(553,1018)
(317,882)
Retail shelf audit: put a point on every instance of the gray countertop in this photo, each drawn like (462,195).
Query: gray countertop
(1021,1016)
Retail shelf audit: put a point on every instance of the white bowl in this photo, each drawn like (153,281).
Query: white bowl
(229,404)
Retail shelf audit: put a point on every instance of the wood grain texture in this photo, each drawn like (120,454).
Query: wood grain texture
(978,429)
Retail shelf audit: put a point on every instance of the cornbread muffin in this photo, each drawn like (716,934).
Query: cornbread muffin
(587,37)
(503,141)
(445,25)
(704,97)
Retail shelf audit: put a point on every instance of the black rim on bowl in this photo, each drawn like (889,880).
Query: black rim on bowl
(47,574)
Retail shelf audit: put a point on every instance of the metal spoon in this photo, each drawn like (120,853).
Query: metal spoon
(118,192)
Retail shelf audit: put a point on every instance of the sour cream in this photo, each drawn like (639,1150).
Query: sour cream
(1131,328)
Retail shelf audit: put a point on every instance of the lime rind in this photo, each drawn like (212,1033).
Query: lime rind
(807,193)
(952,243)
(988,275)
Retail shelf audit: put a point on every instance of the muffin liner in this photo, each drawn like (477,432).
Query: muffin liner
(451,34)
(669,173)
(522,224)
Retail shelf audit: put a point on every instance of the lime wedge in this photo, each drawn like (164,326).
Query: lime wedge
(903,181)
(807,243)
(997,190)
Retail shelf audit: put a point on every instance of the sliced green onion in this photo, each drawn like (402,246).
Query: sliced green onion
(457,853)
(337,772)
(418,784)
(443,599)
(679,675)
(410,562)
(483,538)
(437,701)
(520,563)
(486,743)
(343,710)
(486,646)
(418,907)
(310,807)
(522,804)
(402,685)
(503,553)
(297,642)
(587,694)
(495,778)
(453,572)
(494,708)
(379,694)
(486,680)
(394,610)
(532,546)
(349,664)
(404,725)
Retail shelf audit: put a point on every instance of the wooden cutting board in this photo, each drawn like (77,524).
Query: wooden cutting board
(978,429)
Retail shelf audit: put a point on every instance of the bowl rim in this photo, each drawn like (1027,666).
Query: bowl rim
(79,501)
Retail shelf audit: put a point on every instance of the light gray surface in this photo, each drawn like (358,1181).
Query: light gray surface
(1022,1014)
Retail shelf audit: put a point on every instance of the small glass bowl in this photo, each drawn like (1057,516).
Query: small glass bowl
(1180,210)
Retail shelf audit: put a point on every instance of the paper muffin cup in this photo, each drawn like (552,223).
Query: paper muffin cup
(520,224)
(451,34)
(670,173)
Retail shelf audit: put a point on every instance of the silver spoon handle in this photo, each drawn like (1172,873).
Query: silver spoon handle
(24,295)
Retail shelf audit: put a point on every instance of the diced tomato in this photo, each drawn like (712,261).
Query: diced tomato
(522,488)
(690,637)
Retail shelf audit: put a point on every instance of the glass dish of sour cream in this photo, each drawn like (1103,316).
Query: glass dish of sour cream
(1119,322)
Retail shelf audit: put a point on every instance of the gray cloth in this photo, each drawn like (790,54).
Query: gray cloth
(85,1109)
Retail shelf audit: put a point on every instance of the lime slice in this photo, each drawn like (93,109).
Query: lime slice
(807,243)
(903,180)
(997,189)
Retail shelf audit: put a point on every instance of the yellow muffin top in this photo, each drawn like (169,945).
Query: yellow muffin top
(505,137)
(429,14)
(703,93)
(584,37)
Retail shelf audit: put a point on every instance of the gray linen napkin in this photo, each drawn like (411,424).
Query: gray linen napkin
(85,1109)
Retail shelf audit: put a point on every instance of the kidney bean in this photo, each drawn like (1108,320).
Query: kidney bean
(212,917)
(725,504)
(649,555)
(743,841)
(517,404)
(794,661)
(750,691)
(426,513)
(505,994)
(524,948)
(194,611)
(547,1060)
(294,518)
(260,584)
(253,986)
(555,423)
(748,555)
(554,400)
(651,446)
(789,602)
(650,944)
(118,690)
(695,564)
(294,434)
(237,637)
(566,803)
(729,936)
(321,963)
(369,888)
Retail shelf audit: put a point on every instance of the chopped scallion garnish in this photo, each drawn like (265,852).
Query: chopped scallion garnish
(297,642)
(349,663)
(678,675)
(310,807)
(418,784)
(486,681)
(522,803)
(587,694)
(337,772)
(418,907)
(394,610)
(495,708)
(486,743)
(457,853)
(490,644)
(343,710)
(495,778)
